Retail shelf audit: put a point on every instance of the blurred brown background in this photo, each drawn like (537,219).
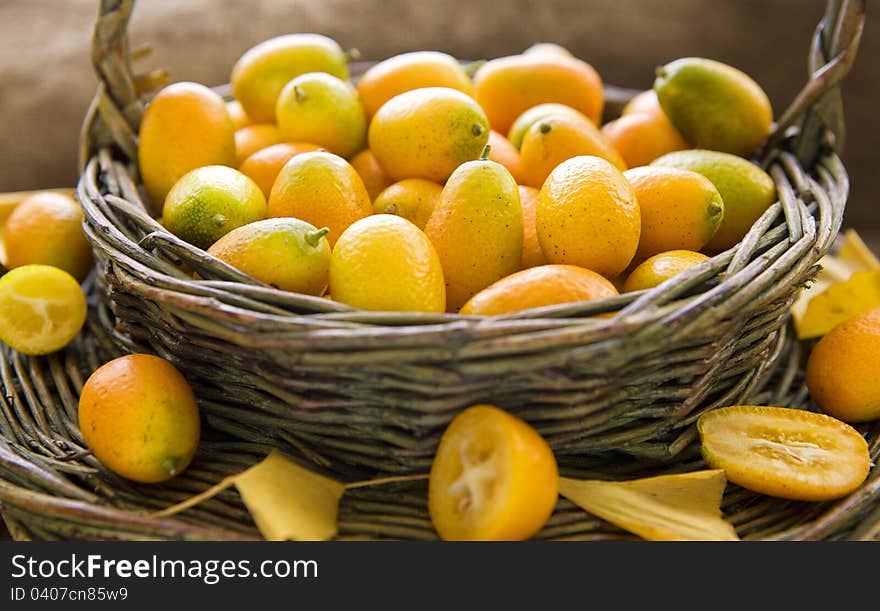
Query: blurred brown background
(47,79)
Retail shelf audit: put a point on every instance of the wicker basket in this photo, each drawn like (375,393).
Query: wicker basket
(356,394)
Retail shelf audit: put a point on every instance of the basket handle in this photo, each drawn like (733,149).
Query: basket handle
(114,115)
(814,118)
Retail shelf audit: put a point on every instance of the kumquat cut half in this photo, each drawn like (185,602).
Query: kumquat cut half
(42,308)
(784,452)
(494,478)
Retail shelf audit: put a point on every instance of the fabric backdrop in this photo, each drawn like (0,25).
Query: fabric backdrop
(47,79)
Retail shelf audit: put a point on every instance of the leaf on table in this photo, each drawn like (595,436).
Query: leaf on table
(854,250)
(852,256)
(839,302)
(836,270)
(681,507)
(832,270)
(287,501)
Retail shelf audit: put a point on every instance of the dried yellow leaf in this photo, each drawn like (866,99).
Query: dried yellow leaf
(287,501)
(799,307)
(854,250)
(851,257)
(839,302)
(836,270)
(681,507)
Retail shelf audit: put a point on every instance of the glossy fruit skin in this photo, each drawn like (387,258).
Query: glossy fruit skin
(412,198)
(375,178)
(508,86)
(9,203)
(386,263)
(746,189)
(264,165)
(532,255)
(549,48)
(184,127)
(680,209)
(645,102)
(262,71)
(138,416)
(557,138)
(640,138)
(286,253)
(537,287)
(503,152)
(238,115)
(783,452)
(23,321)
(427,133)
(714,106)
(46,228)
(588,215)
(324,110)
(477,229)
(408,71)
(252,138)
(512,481)
(661,267)
(528,118)
(209,202)
(322,189)
(843,369)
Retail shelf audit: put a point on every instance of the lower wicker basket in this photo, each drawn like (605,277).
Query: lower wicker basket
(52,488)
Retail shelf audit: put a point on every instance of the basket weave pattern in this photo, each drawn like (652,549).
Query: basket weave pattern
(52,488)
(376,390)
(357,392)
